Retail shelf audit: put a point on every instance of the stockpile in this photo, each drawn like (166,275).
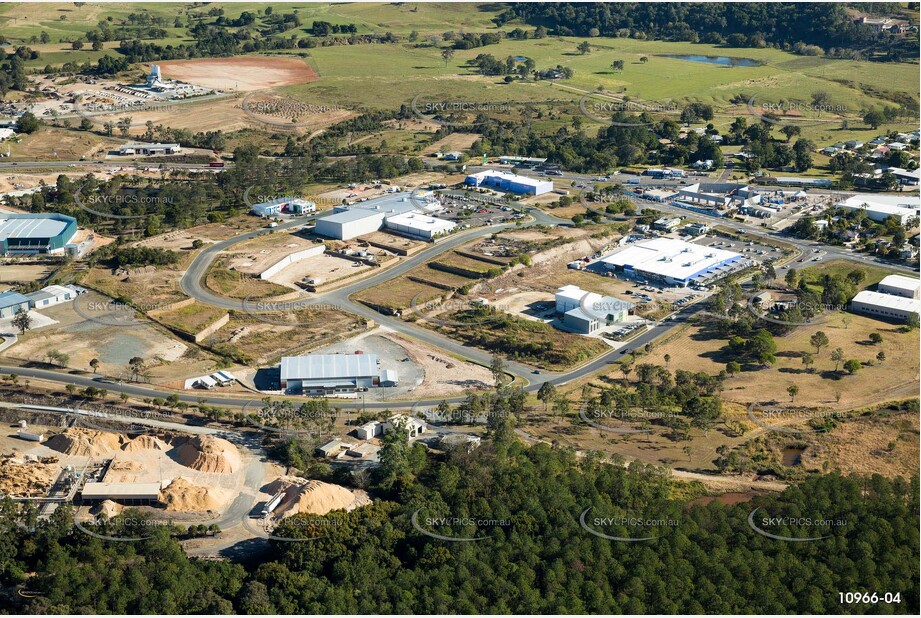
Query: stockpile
(22,478)
(183,496)
(209,454)
(85,442)
(315,497)
(145,443)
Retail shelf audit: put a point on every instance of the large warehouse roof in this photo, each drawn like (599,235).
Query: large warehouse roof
(888,301)
(38,226)
(900,282)
(419,221)
(515,178)
(328,366)
(123,491)
(668,257)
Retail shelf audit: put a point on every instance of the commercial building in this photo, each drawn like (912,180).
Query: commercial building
(886,306)
(506,181)
(347,222)
(328,374)
(12,303)
(419,225)
(673,262)
(289,205)
(51,295)
(719,195)
(666,224)
(26,234)
(586,312)
(900,285)
(879,208)
(140,148)
(522,161)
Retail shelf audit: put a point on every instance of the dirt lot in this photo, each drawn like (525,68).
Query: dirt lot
(263,338)
(23,273)
(83,340)
(255,256)
(241,73)
(326,267)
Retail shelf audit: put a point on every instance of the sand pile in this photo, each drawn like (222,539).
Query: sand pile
(183,496)
(209,454)
(85,442)
(145,443)
(108,508)
(26,478)
(314,497)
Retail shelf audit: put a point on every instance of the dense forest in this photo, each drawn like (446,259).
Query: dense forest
(534,556)
(807,28)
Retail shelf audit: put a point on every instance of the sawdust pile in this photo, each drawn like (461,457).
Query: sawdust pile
(108,508)
(145,443)
(315,497)
(25,478)
(209,454)
(85,442)
(183,496)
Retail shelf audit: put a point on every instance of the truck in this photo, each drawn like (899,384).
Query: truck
(272,504)
(633,181)
(216,164)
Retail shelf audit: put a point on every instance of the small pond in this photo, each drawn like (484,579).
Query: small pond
(724,61)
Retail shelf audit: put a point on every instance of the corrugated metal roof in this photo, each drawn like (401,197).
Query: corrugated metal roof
(390,375)
(328,366)
(11,299)
(32,226)
(135,491)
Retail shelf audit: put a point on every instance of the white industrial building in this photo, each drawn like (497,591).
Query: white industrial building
(51,295)
(900,285)
(328,374)
(419,225)
(586,312)
(673,262)
(719,195)
(506,181)
(121,492)
(886,306)
(879,208)
(398,213)
(138,148)
(288,205)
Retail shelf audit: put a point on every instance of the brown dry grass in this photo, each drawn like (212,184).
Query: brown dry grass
(244,73)
(895,378)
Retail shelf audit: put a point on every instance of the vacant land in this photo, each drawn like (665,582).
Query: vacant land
(894,378)
(241,73)
(398,294)
(262,338)
(51,143)
(191,318)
